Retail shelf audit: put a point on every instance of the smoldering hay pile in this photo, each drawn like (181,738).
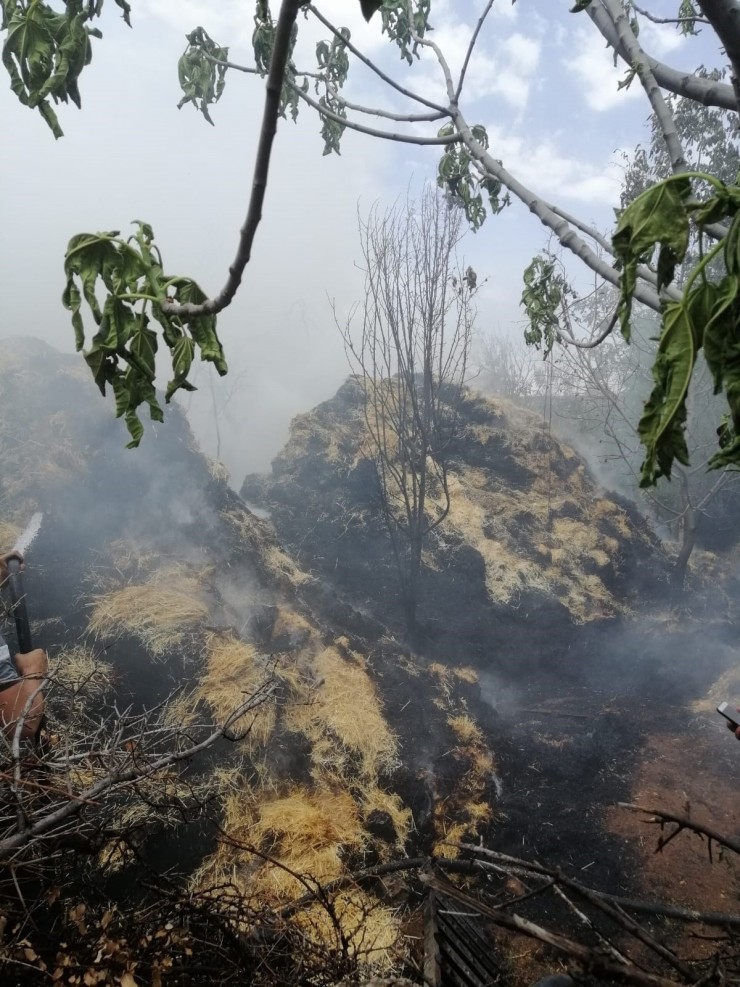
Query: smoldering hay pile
(528,531)
(154,578)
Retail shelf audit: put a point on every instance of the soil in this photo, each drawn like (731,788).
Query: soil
(697,775)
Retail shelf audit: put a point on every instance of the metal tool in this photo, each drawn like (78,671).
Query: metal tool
(15,586)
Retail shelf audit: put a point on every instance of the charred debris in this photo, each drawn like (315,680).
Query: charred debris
(358,806)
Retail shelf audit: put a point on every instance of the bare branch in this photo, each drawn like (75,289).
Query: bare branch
(682,822)
(669,20)
(372,131)
(471,47)
(134,766)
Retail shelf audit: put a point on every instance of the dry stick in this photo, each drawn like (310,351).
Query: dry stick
(590,959)
(596,899)
(619,957)
(117,777)
(278,61)
(683,823)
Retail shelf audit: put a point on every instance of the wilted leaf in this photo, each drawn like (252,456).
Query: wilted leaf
(123,351)
(202,79)
(662,426)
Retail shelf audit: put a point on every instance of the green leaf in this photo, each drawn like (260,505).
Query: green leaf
(122,354)
(720,326)
(662,426)
(658,217)
(144,349)
(542,298)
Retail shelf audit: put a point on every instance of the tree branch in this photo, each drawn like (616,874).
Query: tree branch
(724,16)
(471,47)
(669,20)
(704,91)
(361,128)
(488,165)
(643,271)
(388,114)
(640,63)
(428,43)
(286,20)
(372,66)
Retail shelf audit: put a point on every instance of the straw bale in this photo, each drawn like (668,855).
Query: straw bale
(234,672)
(290,623)
(244,522)
(344,722)
(571,547)
(180,711)
(603,508)
(219,471)
(160,612)
(460,832)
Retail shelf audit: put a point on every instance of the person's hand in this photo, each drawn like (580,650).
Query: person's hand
(32,667)
(4,559)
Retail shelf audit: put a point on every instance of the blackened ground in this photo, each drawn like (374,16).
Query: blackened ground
(569,739)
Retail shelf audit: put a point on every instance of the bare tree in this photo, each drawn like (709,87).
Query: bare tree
(509,369)
(412,357)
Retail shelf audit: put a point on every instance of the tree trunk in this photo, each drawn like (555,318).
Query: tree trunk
(689,525)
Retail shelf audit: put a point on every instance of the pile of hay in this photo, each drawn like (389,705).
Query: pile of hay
(160,612)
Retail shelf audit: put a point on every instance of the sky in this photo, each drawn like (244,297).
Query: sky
(541,81)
